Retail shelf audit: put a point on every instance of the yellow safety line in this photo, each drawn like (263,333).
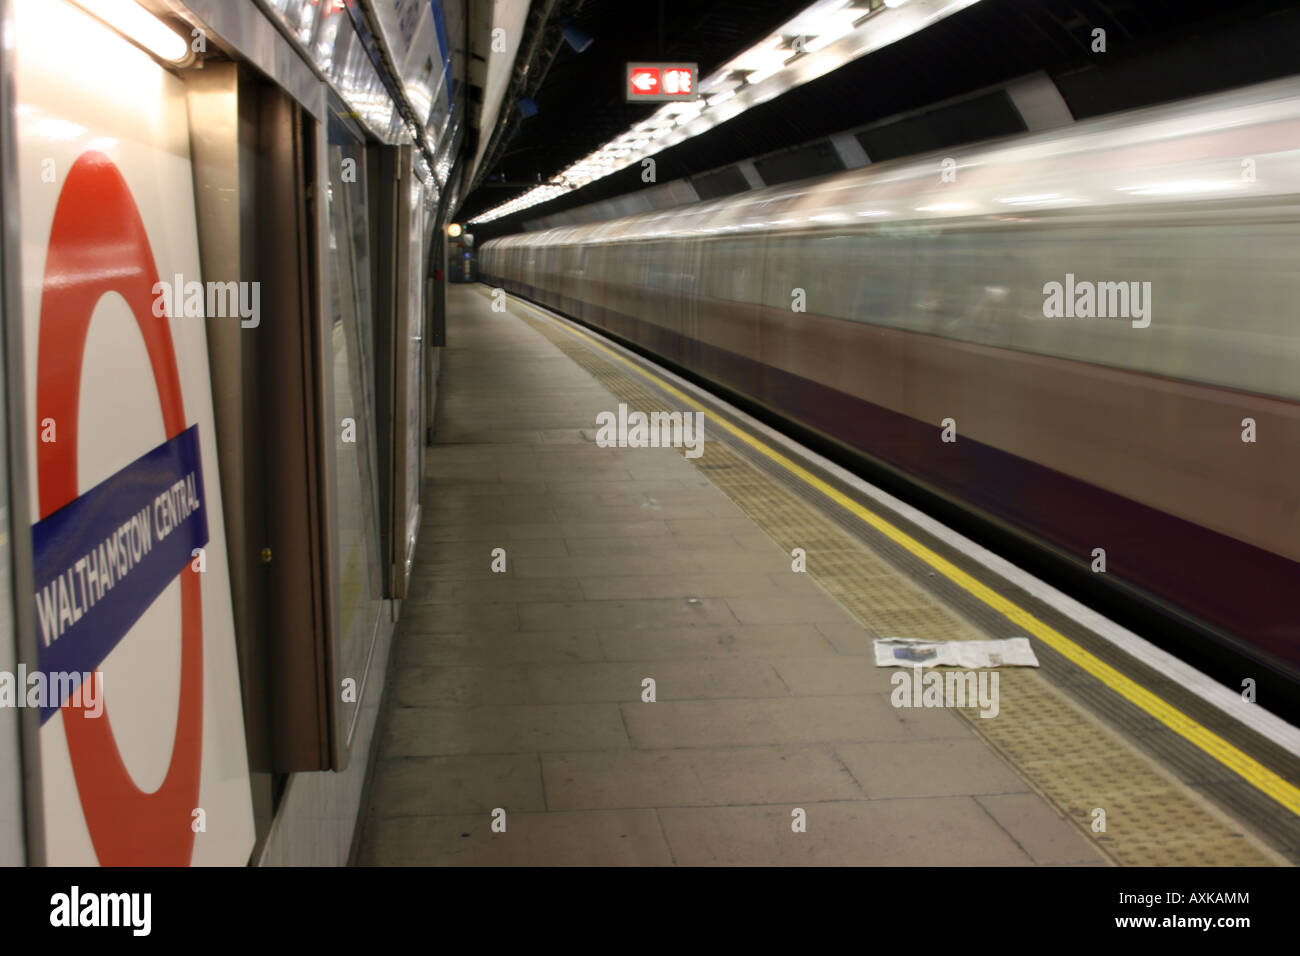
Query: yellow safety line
(1221,750)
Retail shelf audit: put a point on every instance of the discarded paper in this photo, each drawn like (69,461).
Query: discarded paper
(911,652)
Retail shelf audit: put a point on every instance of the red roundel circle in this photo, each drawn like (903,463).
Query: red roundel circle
(98,245)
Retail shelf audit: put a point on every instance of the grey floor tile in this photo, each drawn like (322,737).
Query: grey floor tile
(669,562)
(433,731)
(719,546)
(929,768)
(822,676)
(497,509)
(433,649)
(673,680)
(849,637)
(499,588)
(931,723)
(691,527)
(461,686)
(943,831)
(424,786)
(456,618)
(745,723)
(643,509)
(539,683)
(625,615)
(444,489)
(495,533)
(609,838)
(787,609)
(683,778)
(712,643)
(628,530)
(428,551)
(699,584)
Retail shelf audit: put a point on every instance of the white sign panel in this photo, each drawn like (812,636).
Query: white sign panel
(142,748)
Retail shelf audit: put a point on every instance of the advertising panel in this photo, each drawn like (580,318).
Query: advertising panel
(142,746)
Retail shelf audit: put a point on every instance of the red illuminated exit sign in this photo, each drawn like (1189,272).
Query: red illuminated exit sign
(661,81)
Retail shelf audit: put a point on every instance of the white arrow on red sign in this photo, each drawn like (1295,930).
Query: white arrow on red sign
(645,81)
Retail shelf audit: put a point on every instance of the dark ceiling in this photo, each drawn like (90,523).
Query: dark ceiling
(1158,50)
(581,104)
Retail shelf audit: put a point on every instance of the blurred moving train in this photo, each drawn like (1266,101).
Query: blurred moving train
(1105,312)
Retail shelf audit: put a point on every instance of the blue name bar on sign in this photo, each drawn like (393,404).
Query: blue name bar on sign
(103,559)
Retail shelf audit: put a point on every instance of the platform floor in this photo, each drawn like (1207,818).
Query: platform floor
(522,691)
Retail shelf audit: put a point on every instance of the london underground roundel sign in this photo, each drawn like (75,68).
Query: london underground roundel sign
(98,245)
(148,763)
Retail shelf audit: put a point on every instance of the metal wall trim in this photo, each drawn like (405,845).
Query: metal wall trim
(321,397)
(21,576)
(221,104)
(254,36)
(399,344)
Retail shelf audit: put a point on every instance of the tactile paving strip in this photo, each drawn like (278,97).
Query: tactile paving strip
(1066,754)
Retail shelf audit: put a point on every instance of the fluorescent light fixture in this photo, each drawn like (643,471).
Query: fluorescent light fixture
(719,81)
(758,76)
(812,20)
(683,106)
(140,26)
(762,55)
(689,114)
(836,26)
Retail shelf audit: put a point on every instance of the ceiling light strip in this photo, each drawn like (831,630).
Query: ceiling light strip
(820,39)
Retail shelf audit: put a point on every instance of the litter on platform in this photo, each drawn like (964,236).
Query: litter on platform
(911,652)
